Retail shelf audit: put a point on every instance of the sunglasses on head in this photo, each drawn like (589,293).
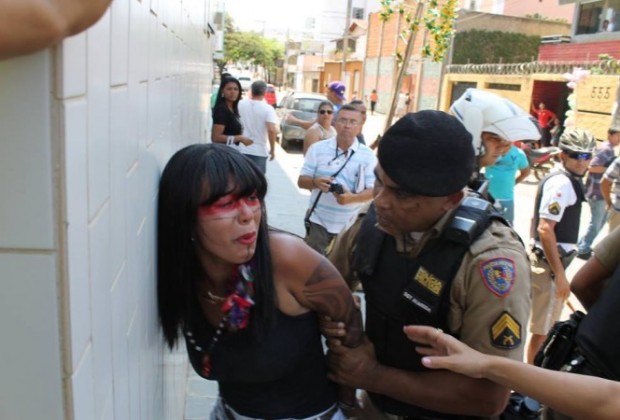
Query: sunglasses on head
(326,111)
(580,156)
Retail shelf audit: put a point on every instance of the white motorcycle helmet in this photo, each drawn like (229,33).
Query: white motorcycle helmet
(481,111)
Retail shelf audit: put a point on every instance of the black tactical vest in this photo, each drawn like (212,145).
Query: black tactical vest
(567,229)
(598,336)
(402,290)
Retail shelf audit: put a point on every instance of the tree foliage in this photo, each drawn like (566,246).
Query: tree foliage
(478,47)
(249,48)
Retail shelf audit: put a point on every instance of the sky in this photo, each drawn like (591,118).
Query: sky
(259,14)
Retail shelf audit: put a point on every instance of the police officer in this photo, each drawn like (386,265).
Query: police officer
(555,228)
(428,254)
(494,123)
(597,286)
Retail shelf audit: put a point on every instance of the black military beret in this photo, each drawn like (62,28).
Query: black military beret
(428,153)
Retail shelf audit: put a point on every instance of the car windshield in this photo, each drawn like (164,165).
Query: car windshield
(307,104)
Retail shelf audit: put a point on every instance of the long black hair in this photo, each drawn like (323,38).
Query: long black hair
(190,173)
(220,94)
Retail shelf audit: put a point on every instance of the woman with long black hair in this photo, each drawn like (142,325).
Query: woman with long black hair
(227,127)
(245,297)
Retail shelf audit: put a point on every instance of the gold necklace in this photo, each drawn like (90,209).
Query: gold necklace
(212,298)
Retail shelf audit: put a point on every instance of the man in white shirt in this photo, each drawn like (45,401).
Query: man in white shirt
(339,172)
(259,123)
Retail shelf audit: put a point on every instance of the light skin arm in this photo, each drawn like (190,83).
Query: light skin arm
(589,282)
(549,245)
(310,183)
(272,132)
(598,169)
(606,190)
(291,119)
(312,136)
(523,174)
(350,198)
(579,396)
(27,26)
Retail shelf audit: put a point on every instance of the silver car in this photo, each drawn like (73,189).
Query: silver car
(301,105)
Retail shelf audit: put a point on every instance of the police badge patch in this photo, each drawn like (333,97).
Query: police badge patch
(498,275)
(554,208)
(506,332)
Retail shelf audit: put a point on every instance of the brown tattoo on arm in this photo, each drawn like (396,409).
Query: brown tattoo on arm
(328,294)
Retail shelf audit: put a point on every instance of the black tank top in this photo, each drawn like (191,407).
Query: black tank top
(282,373)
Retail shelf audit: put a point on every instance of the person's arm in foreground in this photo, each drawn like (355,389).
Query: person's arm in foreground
(27,26)
(578,396)
(442,391)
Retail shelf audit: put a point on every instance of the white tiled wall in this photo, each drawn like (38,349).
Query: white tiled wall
(85,129)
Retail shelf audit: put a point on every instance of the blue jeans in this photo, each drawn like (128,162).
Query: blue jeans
(260,161)
(599,216)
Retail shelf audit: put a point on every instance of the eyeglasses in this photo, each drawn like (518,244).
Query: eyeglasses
(344,121)
(580,156)
(326,111)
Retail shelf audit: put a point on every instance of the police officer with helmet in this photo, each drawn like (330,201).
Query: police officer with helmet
(494,123)
(428,253)
(555,232)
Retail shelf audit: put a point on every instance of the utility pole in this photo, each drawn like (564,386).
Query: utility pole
(345,41)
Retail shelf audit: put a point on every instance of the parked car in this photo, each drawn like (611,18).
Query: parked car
(301,105)
(246,82)
(270,95)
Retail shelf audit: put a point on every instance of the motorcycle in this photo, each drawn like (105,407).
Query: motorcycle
(541,160)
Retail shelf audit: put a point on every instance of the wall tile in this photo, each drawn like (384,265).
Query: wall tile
(31,358)
(83,383)
(119,145)
(74,121)
(26,212)
(71,77)
(120,360)
(98,54)
(101,284)
(119,47)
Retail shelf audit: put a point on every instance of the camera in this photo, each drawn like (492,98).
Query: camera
(336,188)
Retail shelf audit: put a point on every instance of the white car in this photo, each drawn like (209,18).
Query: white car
(246,82)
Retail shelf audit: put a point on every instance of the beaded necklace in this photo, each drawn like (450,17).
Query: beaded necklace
(236,310)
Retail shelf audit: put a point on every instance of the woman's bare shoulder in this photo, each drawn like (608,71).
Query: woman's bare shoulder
(290,252)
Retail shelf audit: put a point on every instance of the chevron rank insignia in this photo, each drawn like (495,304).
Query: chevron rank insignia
(506,332)
(498,275)
(554,208)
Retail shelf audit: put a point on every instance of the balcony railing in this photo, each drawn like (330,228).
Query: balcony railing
(596,67)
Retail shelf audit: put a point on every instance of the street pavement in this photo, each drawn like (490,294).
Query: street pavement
(286,205)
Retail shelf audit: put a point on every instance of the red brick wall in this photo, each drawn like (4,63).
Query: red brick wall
(587,51)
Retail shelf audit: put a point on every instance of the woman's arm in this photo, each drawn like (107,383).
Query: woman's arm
(312,136)
(218,136)
(575,395)
(27,26)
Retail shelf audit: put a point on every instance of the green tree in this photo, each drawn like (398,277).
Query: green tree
(250,49)
(478,47)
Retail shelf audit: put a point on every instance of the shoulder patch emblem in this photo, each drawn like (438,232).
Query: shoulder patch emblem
(498,275)
(506,332)
(554,208)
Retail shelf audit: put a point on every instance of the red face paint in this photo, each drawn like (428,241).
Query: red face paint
(229,204)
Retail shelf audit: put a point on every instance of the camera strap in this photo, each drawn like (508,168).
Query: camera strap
(334,175)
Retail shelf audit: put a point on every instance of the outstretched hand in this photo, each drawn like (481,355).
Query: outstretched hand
(442,351)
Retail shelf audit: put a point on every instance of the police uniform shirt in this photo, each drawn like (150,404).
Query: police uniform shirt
(557,194)
(488,312)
